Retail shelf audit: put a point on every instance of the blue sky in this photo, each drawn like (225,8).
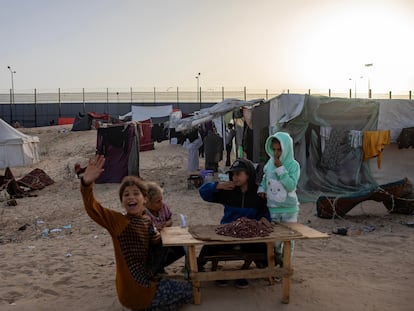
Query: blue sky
(296,44)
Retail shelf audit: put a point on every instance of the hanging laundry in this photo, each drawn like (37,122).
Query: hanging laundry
(355,138)
(373,144)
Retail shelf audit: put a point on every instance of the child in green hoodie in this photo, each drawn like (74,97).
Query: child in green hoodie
(280,178)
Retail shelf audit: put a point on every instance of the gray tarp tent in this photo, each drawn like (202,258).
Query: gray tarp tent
(322,127)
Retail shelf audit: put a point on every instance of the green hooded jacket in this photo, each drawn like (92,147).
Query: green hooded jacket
(279,183)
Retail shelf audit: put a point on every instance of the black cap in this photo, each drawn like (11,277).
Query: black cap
(238,166)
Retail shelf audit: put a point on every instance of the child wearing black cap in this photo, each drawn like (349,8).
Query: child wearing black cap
(239,198)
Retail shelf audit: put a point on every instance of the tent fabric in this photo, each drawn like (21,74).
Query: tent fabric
(16,148)
(208,114)
(339,168)
(116,143)
(37,179)
(160,120)
(145,112)
(145,139)
(260,120)
(394,115)
(83,122)
(285,107)
(99,116)
(64,121)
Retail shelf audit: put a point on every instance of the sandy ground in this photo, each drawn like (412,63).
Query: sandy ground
(74,269)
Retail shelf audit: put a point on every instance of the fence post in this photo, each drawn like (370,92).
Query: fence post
(178,96)
(350,93)
(267,94)
(409,95)
(369,93)
(199,92)
(329,92)
(390,95)
(288,91)
(309,91)
(107,101)
(130,92)
(155,98)
(245,95)
(11,108)
(222,93)
(35,102)
(83,100)
(60,105)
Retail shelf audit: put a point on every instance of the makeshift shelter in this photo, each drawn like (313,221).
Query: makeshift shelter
(159,131)
(83,122)
(327,136)
(120,146)
(16,148)
(145,112)
(211,113)
(395,115)
(145,141)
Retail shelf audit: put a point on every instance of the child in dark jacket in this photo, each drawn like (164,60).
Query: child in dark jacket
(240,199)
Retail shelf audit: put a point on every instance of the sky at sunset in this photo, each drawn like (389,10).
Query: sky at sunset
(295,44)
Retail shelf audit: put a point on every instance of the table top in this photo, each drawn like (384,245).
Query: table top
(175,236)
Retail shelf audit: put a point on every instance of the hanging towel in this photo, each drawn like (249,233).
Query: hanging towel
(373,143)
(355,138)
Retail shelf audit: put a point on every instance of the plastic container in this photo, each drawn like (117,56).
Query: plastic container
(207,175)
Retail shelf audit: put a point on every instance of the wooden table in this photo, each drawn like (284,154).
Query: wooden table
(177,236)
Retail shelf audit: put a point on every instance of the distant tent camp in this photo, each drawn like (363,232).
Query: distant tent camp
(120,146)
(16,148)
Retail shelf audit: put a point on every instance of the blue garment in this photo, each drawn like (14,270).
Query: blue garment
(236,203)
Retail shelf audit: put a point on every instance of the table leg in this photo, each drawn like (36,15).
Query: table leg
(192,261)
(271,261)
(286,266)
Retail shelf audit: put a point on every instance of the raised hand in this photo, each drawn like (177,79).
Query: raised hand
(94,169)
(226,185)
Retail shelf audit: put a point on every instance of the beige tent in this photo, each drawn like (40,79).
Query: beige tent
(16,148)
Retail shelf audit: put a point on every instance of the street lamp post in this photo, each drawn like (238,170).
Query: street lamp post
(369,82)
(355,85)
(12,72)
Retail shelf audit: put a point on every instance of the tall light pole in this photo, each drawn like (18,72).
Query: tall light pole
(198,86)
(355,83)
(12,81)
(369,85)
(12,94)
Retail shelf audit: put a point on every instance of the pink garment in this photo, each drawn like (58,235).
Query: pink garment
(163,216)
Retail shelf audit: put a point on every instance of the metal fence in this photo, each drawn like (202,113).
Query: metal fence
(39,107)
(170,95)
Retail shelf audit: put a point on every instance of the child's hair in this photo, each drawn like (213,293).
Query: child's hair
(154,190)
(275,140)
(133,181)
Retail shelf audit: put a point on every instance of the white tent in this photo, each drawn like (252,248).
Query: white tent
(16,148)
(145,112)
